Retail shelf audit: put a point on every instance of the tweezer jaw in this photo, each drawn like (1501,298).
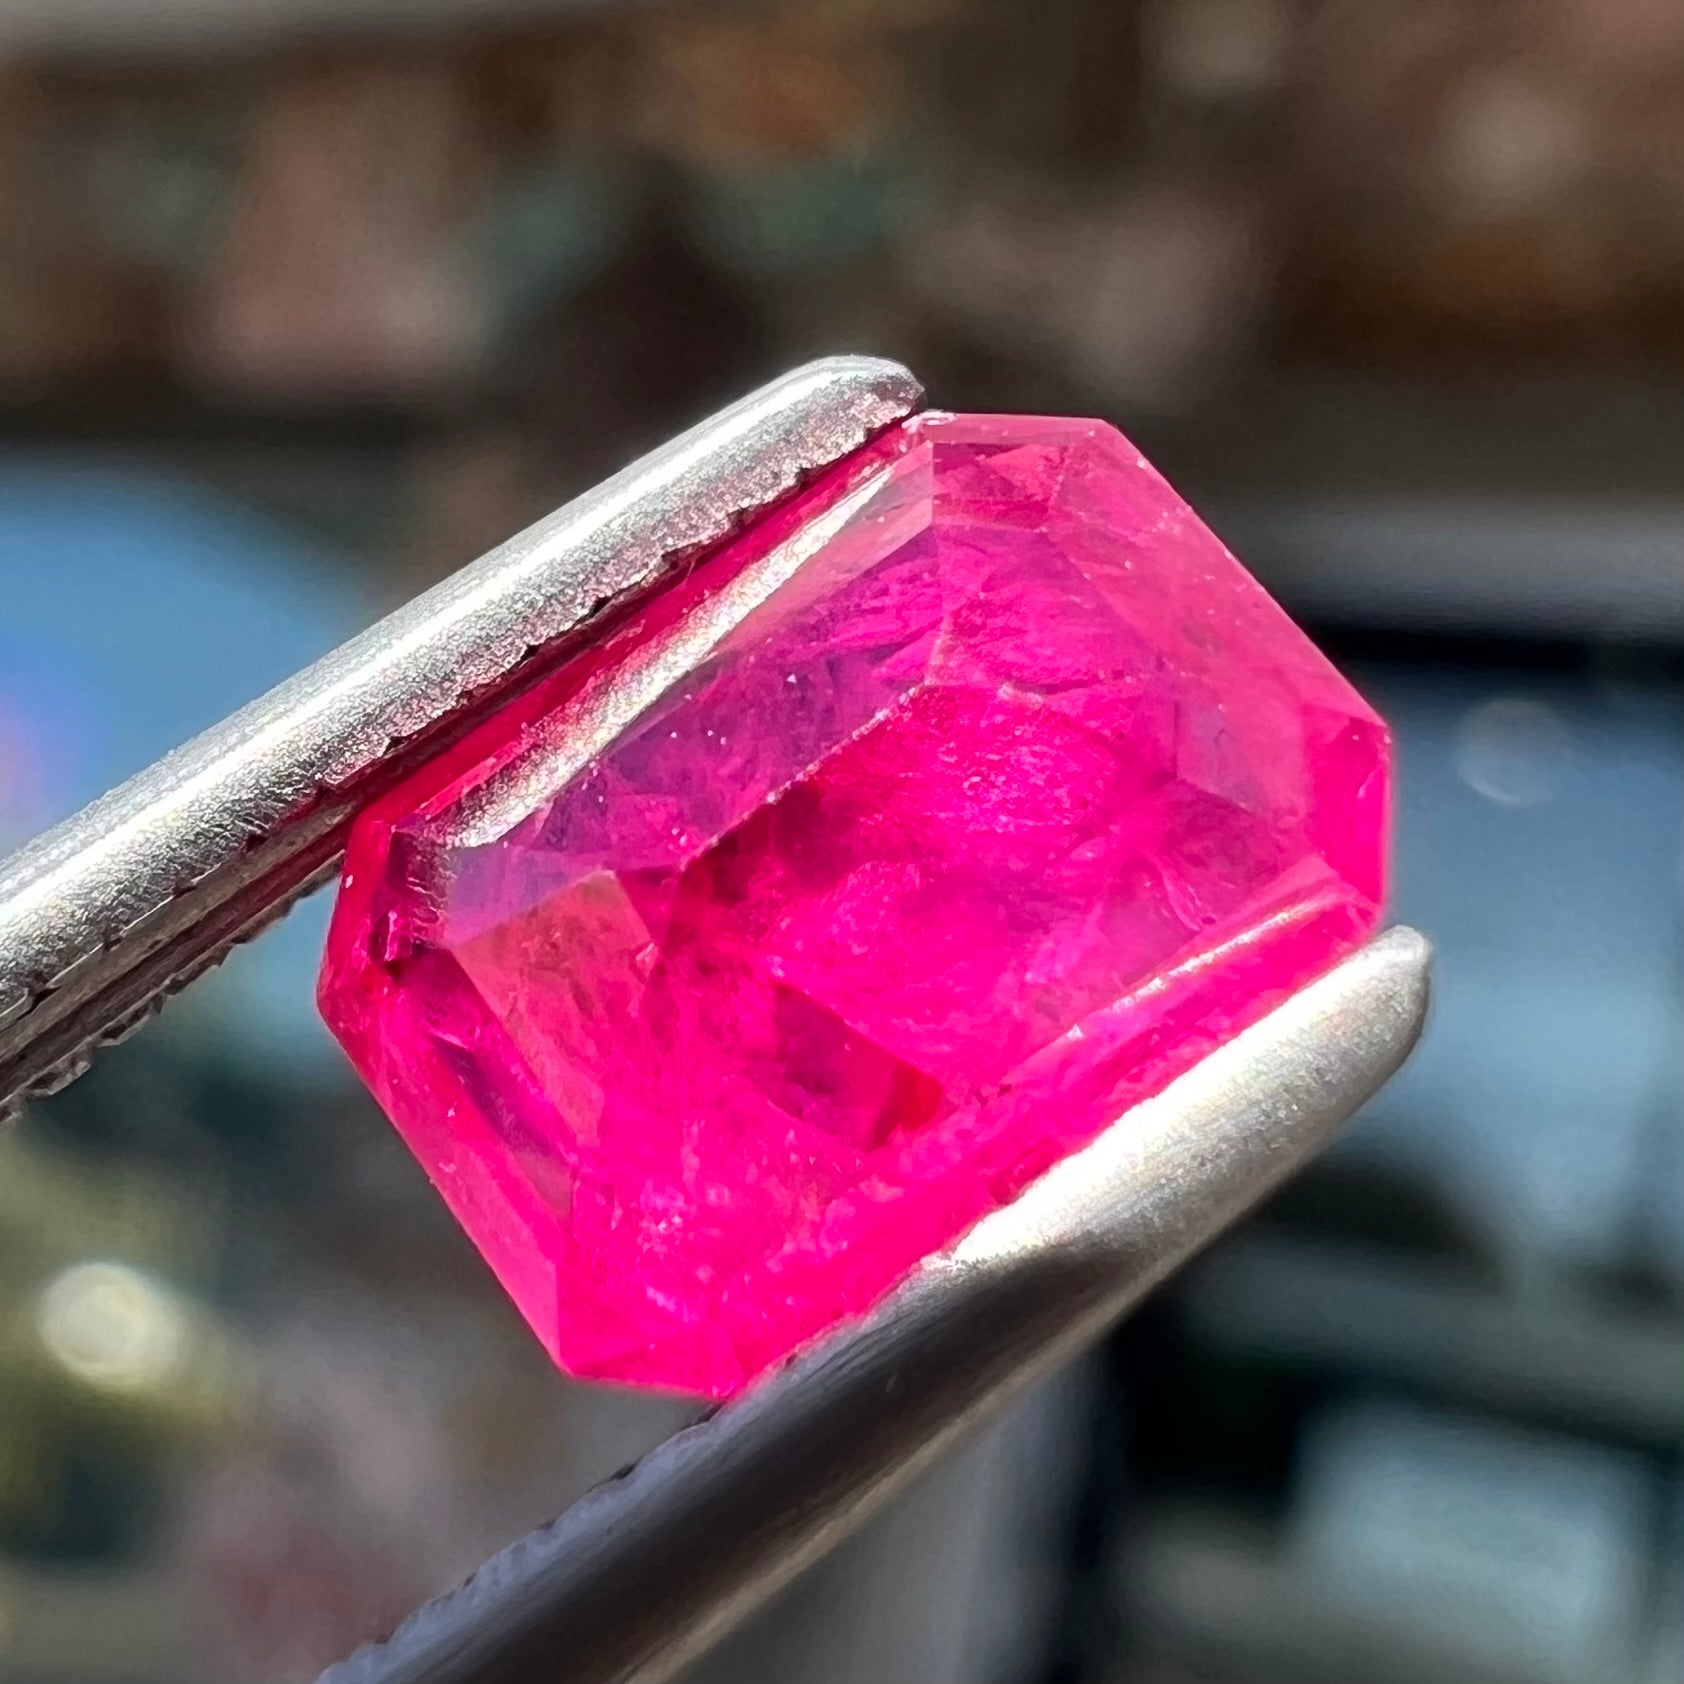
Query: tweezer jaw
(127,901)
(131,898)
(644,1572)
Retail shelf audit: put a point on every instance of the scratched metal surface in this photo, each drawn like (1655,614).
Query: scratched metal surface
(131,898)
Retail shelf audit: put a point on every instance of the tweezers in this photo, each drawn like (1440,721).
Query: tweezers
(130,899)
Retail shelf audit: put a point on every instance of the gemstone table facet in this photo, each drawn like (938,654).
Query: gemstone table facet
(838,890)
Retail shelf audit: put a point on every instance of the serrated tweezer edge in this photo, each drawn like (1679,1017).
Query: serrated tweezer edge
(132,897)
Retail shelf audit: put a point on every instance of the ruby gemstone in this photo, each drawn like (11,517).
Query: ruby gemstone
(876,864)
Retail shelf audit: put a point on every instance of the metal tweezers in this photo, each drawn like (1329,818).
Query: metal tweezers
(129,900)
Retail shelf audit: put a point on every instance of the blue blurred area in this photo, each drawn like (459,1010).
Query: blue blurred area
(138,610)
(1538,837)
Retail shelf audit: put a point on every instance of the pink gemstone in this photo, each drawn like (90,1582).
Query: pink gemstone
(847,885)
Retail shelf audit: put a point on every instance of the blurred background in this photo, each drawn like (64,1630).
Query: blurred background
(305,302)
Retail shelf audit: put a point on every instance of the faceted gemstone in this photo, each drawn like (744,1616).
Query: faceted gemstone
(844,886)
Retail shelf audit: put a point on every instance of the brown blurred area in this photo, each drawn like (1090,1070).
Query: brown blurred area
(509,245)
(526,243)
(1394,291)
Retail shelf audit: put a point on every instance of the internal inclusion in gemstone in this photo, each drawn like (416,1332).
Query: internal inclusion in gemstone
(874,865)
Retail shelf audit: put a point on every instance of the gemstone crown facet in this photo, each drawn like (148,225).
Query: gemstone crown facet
(839,889)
